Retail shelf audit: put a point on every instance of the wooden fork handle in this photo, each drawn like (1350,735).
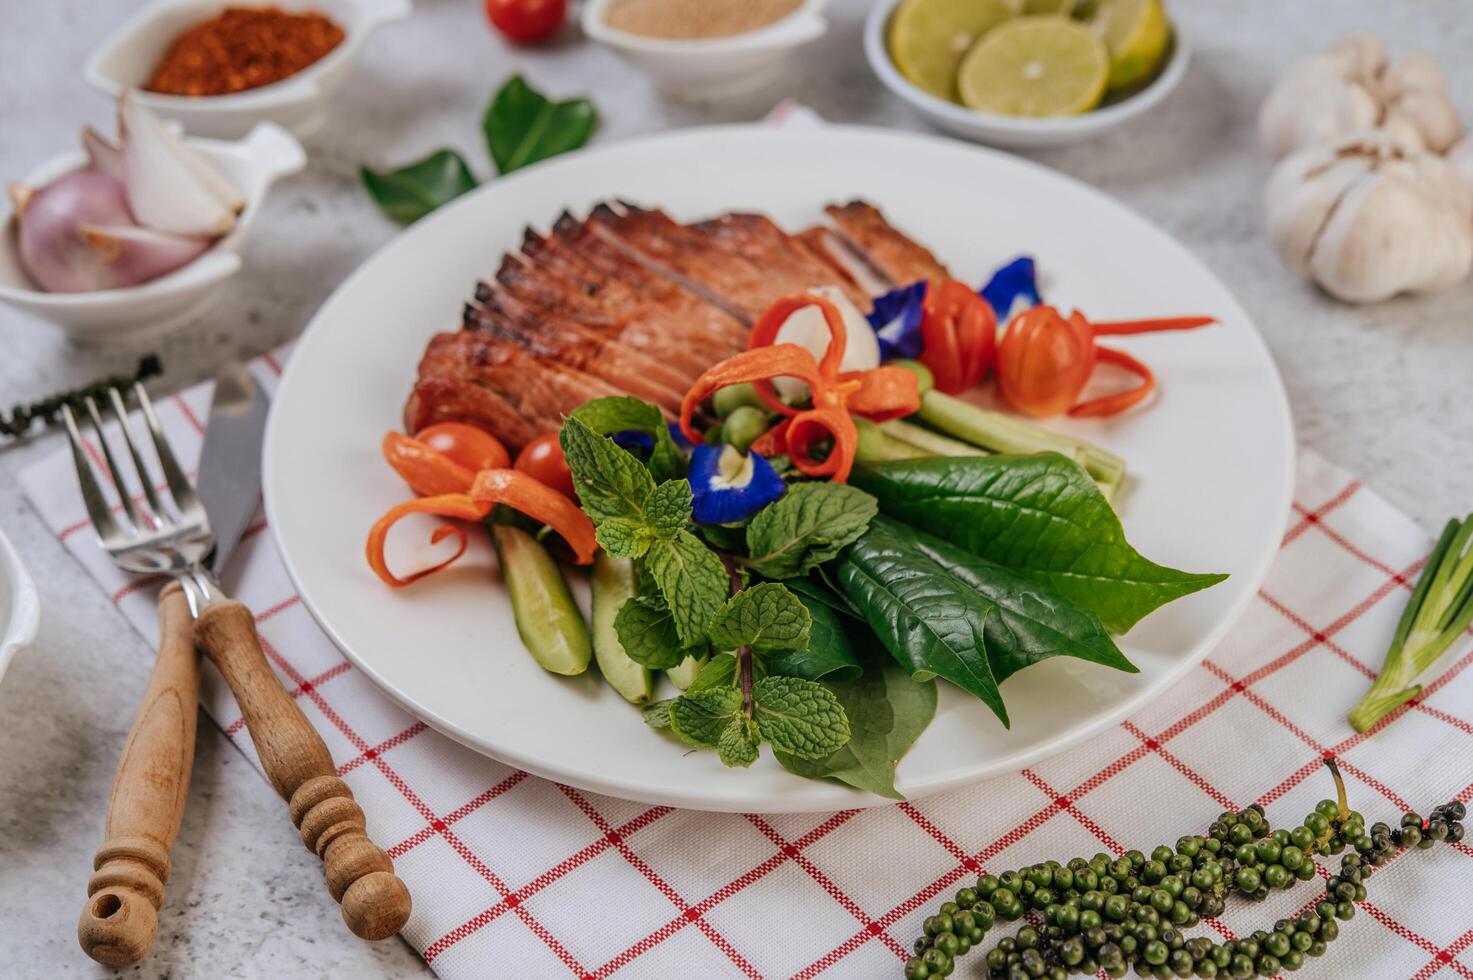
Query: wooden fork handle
(120,919)
(359,874)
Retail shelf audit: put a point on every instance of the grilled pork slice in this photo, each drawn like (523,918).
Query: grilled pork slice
(827,245)
(515,394)
(884,247)
(757,238)
(588,350)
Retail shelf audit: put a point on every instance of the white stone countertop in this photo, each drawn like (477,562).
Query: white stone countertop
(1381,390)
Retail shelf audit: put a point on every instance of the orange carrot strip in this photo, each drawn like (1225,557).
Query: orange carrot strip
(540,502)
(811,427)
(765,330)
(458,505)
(773,442)
(428,471)
(1115,328)
(1120,401)
(752,366)
(884,393)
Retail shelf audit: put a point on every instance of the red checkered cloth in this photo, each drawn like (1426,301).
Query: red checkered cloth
(516,876)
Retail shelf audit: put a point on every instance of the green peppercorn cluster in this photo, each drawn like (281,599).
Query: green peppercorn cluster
(1118,914)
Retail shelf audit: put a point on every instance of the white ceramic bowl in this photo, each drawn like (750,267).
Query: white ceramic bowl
(706,68)
(20,607)
(1012,131)
(299,102)
(105,315)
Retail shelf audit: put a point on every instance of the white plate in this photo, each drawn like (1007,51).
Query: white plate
(1211,457)
(20,607)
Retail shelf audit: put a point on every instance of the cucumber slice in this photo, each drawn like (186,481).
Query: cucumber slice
(683,674)
(613,585)
(548,621)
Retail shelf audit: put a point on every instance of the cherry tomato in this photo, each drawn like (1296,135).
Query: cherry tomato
(526,20)
(475,449)
(1044,361)
(542,460)
(959,331)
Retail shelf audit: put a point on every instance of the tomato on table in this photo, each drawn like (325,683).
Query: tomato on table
(526,20)
(542,460)
(471,447)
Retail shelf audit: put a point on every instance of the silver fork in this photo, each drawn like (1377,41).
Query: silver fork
(177,540)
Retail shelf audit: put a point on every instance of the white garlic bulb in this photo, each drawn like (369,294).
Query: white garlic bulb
(1367,218)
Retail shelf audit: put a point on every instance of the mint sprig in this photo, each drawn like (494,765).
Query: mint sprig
(806,527)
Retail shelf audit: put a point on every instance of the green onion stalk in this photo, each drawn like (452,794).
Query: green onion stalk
(1438,613)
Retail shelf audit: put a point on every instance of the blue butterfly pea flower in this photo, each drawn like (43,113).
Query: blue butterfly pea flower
(727,485)
(1013,282)
(896,319)
(634,441)
(681,442)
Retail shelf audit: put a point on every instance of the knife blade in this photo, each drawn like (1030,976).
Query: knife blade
(229,476)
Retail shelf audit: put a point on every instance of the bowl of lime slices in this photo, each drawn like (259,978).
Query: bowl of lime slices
(1026,73)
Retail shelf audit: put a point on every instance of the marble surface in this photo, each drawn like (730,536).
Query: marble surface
(1380,390)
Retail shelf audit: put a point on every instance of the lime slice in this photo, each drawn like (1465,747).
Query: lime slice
(1038,7)
(929,38)
(1035,66)
(1137,34)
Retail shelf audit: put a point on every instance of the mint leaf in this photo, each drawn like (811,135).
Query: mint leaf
(692,580)
(648,634)
(623,413)
(737,745)
(799,716)
(413,191)
(699,718)
(719,671)
(657,713)
(887,712)
(624,537)
(829,654)
(808,526)
(524,126)
(765,617)
(609,481)
(668,509)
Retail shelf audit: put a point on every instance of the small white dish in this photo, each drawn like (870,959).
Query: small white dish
(106,315)
(1012,131)
(706,68)
(128,58)
(20,607)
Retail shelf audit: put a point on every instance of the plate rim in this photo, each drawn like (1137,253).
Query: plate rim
(841,797)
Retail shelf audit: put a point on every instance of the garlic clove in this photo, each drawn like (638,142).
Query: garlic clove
(20,197)
(104,155)
(1302,193)
(163,175)
(1460,159)
(1315,102)
(1416,92)
(1362,55)
(135,255)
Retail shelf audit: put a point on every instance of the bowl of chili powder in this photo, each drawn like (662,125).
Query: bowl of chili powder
(220,68)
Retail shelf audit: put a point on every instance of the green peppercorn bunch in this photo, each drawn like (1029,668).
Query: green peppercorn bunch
(1115,914)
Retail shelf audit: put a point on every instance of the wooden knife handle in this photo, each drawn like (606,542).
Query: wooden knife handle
(120,919)
(359,874)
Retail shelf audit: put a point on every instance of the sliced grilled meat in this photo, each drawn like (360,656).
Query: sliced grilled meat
(755,237)
(888,250)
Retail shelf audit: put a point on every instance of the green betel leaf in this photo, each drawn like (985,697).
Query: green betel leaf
(625,413)
(816,589)
(523,126)
(737,745)
(1040,516)
(800,717)
(699,718)
(765,617)
(668,509)
(829,654)
(624,537)
(413,191)
(647,633)
(807,526)
(931,623)
(609,481)
(657,713)
(692,580)
(887,712)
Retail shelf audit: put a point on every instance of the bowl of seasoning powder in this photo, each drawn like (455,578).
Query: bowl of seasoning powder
(221,68)
(705,49)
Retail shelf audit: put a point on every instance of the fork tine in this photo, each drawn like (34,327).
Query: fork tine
(120,482)
(179,486)
(121,411)
(92,495)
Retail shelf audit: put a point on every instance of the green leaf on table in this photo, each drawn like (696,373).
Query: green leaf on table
(887,712)
(657,713)
(625,413)
(807,526)
(523,126)
(413,191)
(647,632)
(798,716)
(1040,516)
(701,717)
(610,482)
(829,654)
(668,509)
(765,617)
(737,745)
(624,537)
(691,579)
